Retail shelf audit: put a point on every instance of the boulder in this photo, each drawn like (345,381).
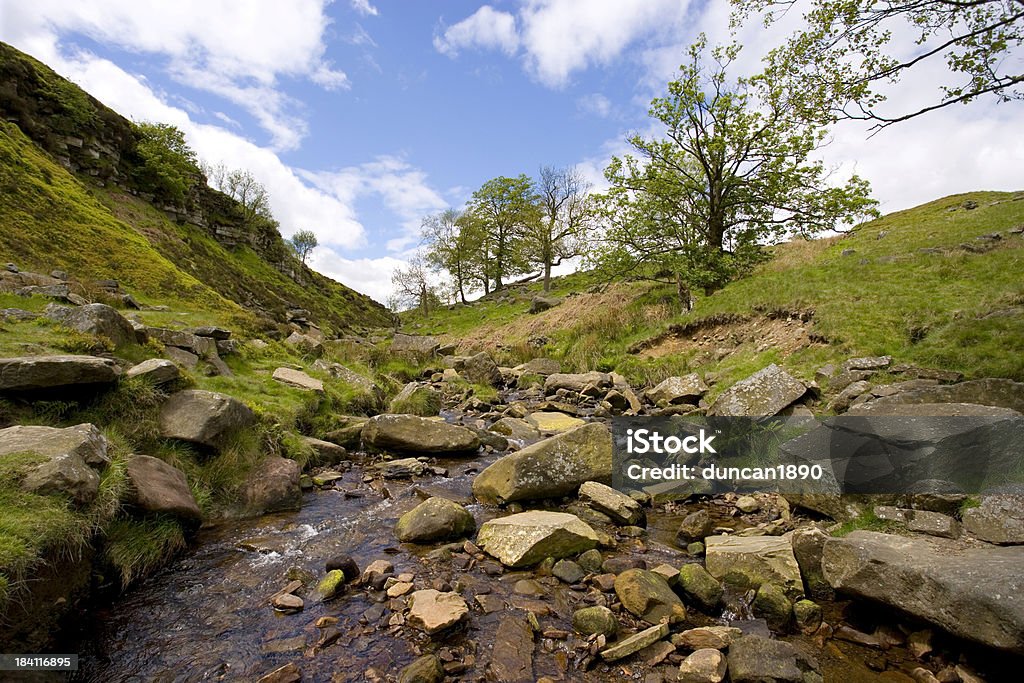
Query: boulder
(203,417)
(764,393)
(696,526)
(98,319)
(481,369)
(426,669)
(156,371)
(305,344)
(539,366)
(552,422)
(698,585)
(298,379)
(185,359)
(203,347)
(676,390)
(634,643)
(593,620)
(30,373)
(716,637)
(755,659)
(539,303)
(707,665)
(512,654)
(212,331)
(160,488)
(417,434)
(772,605)
(272,486)
(524,539)
(515,428)
(66,460)
(749,561)
(408,344)
(975,593)
(648,596)
(808,546)
(576,382)
(1002,393)
(432,611)
(999,519)
(617,505)
(416,399)
(327,453)
(550,468)
(435,519)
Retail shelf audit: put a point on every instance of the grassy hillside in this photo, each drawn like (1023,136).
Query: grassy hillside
(925,285)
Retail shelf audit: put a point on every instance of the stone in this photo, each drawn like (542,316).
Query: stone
(325,452)
(539,366)
(669,573)
(1002,393)
(435,519)
(808,546)
(416,399)
(289,673)
(715,637)
(975,593)
(591,561)
(747,504)
(160,488)
(512,654)
(595,620)
(763,394)
(305,344)
(617,505)
(407,344)
(345,564)
(286,602)
(750,561)
(677,390)
(331,585)
(754,659)
(31,373)
(998,519)
(204,347)
(554,467)
(553,422)
(426,669)
(96,319)
(481,369)
(844,398)
(696,526)
(698,585)
(648,596)
(398,589)
(403,468)
(417,434)
(272,486)
(540,303)
(576,382)
(568,571)
(524,539)
(617,565)
(933,524)
(349,436)
(808,615)
(203,417)
(515,428)
(67,463)
(706,665)
(432,611)
(298,379)
(772,605)
(634,643)
(185,359)
(156,371)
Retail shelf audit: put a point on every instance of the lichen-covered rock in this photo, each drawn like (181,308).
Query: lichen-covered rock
(298,379)
(697,584)
(648,596)
(772,605)
(764,393)
(157,371)
(97,319)
(592,620)
(676,390)
(203,417)
(415,434)
(480,369)
(435,519)
(750,561)
(524,539)
(64,461)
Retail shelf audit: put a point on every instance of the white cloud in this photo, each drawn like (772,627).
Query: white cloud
(364,7)
(371,276)
(596,104)
(486,28)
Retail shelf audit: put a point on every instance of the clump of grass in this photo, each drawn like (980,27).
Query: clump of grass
(866,521)
(137,547)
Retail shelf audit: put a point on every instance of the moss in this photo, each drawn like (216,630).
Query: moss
(137,547)
(867,521)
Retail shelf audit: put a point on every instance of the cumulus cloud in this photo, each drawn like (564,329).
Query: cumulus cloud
(487,28)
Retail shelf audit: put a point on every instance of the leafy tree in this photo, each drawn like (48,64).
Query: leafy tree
(503,208)
(454,245)
(566,212)
(412,288)
(169,167)
(847,48)
(733,171)
(242,186)
(303,243)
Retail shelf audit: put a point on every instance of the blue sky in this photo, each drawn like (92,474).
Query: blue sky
(363,116)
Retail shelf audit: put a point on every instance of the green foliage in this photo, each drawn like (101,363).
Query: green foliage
(303,243)
(867,521)
(169,168)
(502,209)
(136,547)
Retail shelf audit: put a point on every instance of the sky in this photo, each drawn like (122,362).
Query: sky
(361,117)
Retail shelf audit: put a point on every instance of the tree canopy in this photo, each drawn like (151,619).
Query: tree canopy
(169,167)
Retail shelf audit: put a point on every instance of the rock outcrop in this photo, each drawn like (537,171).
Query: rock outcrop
(764,393)
(31,373)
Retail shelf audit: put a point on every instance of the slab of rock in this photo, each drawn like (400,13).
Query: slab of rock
(808,547)
(677,390)
(160,488)
(634,643)
(414,345)
(157,371)
(30,373)
(305,344)
(97,319)
(202,417)
(617,505)
(552,422)
(648,596)
(515,428)
(411,433)
(480,369)
(298,379)
(974,593)
(416,399)
(706,665)
(432,611)
(273,486)
(185,359)
(576,382)
(512,656)
(749,561)
(716,637)
(204,347)
(70,459)
(327,453)
(1003,393)
(764,393)
(539,366)
(754,659)
(999,519)
(524,539)
(435,519)
(550,468)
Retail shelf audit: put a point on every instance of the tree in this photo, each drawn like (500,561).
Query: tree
(242,186)
(169,167)
(303,243)
(503,208)
(412,287)
(566,213)
(733,171)
(846,49)
(453,244)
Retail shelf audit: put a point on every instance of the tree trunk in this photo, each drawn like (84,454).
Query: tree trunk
(685,298)
(547,276)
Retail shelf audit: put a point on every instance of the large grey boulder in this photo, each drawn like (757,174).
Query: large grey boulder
(480,369)
(30,373)
(676,390)
(157,371)
(648,596)
(617,505)
(749,561)
(999,519)
(272,486)
(414,434)
(98,319)
(298,379)
(202,417)
(754,659)
(408,344)
(763,394)
(1002,393)
(435,519)
(550,468)
(973,592)
(524,539)
(160,488)
(577,382)
(66,461)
